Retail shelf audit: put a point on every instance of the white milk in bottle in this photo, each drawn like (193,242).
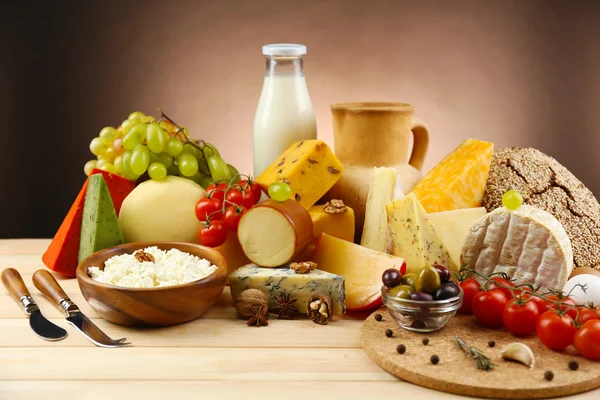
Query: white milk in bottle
(284,113)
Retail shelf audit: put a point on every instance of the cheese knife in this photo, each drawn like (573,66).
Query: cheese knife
(38,323)
(46,284)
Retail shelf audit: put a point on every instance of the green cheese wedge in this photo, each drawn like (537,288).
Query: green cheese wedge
(99,226)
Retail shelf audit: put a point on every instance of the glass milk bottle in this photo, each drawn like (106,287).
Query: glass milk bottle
(284,113)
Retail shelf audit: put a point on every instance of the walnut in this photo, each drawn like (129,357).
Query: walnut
(303,267)
(335,207)
(249,299)
(320,309)
(142,256)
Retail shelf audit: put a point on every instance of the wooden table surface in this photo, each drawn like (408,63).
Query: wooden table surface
(215,356)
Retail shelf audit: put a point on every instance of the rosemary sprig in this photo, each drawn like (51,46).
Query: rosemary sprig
(483,362)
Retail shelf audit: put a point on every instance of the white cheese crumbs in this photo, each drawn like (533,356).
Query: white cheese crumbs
(170,268)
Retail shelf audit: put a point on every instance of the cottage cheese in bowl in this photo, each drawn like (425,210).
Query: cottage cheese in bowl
(151,268)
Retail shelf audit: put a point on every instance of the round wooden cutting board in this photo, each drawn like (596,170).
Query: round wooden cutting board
(457,372)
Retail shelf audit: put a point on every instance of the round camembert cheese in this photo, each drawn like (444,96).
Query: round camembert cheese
(172,267)
(528,244)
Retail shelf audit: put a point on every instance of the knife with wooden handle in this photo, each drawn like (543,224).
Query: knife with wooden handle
(46,284)
(39,324)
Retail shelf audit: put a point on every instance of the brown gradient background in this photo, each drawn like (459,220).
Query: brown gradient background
(518,73)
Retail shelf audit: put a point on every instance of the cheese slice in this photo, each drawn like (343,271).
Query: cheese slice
(279,281)
(459,180)
(381,191)
(453,227)
(528,244)
(413,236)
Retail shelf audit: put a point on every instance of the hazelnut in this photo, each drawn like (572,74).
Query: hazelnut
(251,298)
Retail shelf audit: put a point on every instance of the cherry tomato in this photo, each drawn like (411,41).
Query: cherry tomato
(587,340)
(470,287)
(254,188)
(587,314)
(248,198)
(539,302)
(566,302)
(520,319)
(217,191)
(232,217)
(212,233)
(497,281)
(206,207)
(555,331)
(488,307)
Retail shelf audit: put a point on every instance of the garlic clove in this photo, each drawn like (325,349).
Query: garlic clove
(519,352)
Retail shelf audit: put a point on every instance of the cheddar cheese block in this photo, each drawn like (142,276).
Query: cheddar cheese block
(284,281)
(459,180)
(453,227)
(381,191)
(361,267)
(528,244)
(413,236)
(272,233)
(338,225)
(309,167)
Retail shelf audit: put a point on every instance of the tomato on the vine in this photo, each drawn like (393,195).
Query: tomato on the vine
(587,340)
(539,302)
(217,191)
(470,287)
(498,281)
(587,314)
(556,331)
(488,307)
(232,216)
(209,207)
(240,197)
(254,188)
(213,233)
(565,306)
(520,318)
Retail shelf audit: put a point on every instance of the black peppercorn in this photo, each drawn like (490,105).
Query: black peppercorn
(388,333)
(548,375)
(491,343)
(435,359)
(426,341)
(378,317)
(401,349)
(573,365)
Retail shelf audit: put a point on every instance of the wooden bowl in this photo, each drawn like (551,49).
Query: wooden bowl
(162,306)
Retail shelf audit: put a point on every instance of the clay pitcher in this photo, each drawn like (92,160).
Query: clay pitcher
(375,134)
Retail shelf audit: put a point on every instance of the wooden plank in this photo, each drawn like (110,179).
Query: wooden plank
(142,363)
(200,333)
(24,246)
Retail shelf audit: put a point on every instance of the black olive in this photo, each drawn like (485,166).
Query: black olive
(443,272)
(435,359)
(573,365)
(391,277)
(446,291)
(378,317)
(401,349)
(389,333)
(420,296)
(548,375)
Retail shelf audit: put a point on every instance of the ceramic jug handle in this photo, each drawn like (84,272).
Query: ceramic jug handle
(420,144)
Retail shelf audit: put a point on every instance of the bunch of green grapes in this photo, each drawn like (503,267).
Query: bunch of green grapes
(143,145)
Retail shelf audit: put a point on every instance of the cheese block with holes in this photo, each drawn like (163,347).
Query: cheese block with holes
(528,244)
(309,167)
(272,233)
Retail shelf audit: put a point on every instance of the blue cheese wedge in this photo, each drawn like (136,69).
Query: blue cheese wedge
(413,236)
(282,280)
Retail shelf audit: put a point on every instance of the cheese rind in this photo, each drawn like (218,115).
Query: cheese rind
(381,192)
(528,244)
(338,225)
(99,227)
(459,180)
(309,167)
(279,281)
(233,252)
(361,267)
(272,233)
(413,236)
(453,227)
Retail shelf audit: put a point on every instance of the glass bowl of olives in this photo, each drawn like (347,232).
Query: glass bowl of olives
(421,302)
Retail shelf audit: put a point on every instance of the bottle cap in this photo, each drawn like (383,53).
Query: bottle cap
(284,49)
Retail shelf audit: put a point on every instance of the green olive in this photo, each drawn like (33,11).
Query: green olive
(410,280)
(428,280)
(402,291)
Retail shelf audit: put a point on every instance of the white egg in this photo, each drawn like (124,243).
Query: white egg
(592,289)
